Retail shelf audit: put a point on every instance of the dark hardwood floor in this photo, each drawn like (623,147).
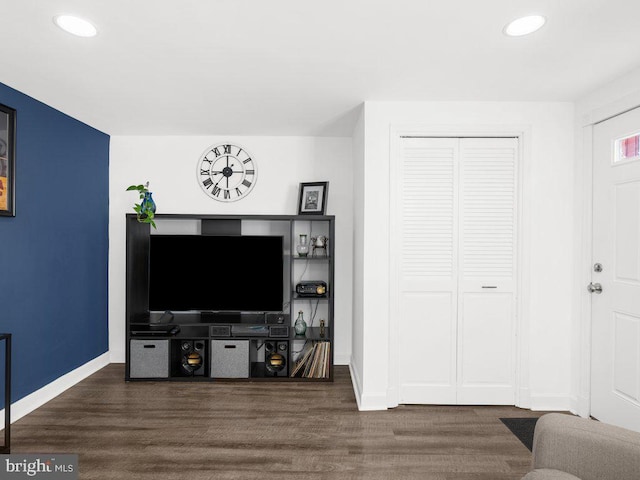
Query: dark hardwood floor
(194,431)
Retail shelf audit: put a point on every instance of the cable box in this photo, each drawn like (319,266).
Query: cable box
(153,329)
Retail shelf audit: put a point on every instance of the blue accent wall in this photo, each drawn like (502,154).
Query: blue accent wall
(54,252)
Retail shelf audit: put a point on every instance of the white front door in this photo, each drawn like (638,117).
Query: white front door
(455,265)
(615,358)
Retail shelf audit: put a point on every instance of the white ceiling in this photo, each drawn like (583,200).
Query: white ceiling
(301,67)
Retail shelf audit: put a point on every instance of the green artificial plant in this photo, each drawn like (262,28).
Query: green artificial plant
(144,209)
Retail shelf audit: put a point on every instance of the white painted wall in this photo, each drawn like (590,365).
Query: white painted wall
(169,164)
(548,214)
(610,99)
(357,349)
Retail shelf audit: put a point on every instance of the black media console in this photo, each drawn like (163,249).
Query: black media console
(201,345)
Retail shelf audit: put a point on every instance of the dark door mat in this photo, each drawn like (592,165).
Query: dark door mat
(522,428)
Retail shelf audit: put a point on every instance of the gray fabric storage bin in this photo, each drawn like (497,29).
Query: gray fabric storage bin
(229,359)
(149,359)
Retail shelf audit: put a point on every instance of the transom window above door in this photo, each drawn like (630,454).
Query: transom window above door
(627,149)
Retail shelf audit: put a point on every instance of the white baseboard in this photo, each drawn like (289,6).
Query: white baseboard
(545,403)
(366,402)
(34,400)
(355,381)
(524,398)
(581,406)
(393,397)
(370,402)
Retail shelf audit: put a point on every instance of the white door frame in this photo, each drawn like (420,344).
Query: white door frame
(581,399)
(523,232)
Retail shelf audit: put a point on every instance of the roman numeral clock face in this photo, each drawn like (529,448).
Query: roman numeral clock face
(226,172)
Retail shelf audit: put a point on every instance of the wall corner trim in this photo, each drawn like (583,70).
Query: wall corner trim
(523,400)
(581,405)
(373,402)
(35,400)
(366,402)
(355,381)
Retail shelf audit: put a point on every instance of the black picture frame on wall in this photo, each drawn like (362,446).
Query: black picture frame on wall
(7,161)
(312,198)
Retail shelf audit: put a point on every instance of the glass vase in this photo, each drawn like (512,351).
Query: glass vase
(300,326)
(148,203)
(303,247)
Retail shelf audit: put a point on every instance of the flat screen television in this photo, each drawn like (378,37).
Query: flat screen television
(216,273)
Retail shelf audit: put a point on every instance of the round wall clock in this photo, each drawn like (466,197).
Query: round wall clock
(226,172)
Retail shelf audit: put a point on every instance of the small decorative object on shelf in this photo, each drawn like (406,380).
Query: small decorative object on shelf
(322,329)
(303,247)
(319,243)
(300,326)
(312,199)
(148,203)
(146,209)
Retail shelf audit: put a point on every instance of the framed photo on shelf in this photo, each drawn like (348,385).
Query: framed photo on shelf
(312,199)
(7,161)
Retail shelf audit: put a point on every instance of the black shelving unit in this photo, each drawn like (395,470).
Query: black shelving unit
(157,350)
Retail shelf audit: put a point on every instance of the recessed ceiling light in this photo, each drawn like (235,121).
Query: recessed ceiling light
(75,25)
(524,25)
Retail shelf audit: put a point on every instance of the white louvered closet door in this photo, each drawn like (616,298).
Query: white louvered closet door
(456,221)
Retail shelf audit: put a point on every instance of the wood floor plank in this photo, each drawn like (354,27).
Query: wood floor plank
(228,431)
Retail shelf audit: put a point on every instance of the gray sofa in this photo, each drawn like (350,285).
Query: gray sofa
(572,448)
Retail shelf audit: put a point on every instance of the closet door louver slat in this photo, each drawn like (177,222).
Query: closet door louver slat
(487,201)
(428,197)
